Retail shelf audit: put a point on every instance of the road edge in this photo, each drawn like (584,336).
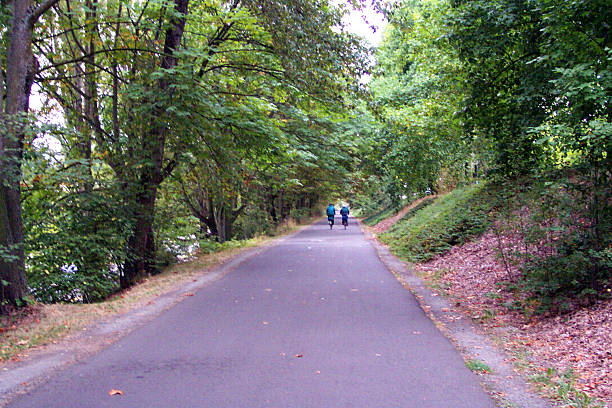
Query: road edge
(505,385)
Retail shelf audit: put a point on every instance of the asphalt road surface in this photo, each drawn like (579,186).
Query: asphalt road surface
(316,321)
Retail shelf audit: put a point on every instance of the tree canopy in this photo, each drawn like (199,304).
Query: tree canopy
(133,132)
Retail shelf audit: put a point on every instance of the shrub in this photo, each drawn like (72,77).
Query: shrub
(74,254)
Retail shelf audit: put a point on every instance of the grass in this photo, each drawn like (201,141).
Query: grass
(561,387)
(413,211)
(380,215)
(450,220)
(478,366)
(41,324)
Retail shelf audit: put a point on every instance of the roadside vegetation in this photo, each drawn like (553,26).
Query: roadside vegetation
(483,247)
(453,219)
(135,134)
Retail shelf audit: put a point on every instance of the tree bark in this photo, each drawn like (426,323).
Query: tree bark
(141,244)
(19,77)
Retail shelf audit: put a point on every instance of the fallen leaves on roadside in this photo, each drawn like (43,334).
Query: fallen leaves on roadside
(299,355)
(188,294)
(115,392)
(579,340)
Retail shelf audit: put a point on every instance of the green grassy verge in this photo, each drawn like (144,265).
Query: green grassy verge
(381,215)
(478,366)
(450,220)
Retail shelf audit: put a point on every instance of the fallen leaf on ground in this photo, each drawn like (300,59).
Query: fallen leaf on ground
(115,392)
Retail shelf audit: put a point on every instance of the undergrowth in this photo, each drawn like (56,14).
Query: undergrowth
(553,234)
(562,227)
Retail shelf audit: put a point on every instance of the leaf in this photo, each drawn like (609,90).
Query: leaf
(115,392)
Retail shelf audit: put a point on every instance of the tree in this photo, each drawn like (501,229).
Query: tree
(417,88)
(20,68)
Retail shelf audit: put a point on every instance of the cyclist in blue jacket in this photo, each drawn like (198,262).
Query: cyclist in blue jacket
(331,211)
(344,211)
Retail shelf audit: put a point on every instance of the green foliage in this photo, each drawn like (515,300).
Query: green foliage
(377,217)
(74,233)
(539,79)
(253,222)
(452,219)
(238,127)
(301,214)
(376,195)
(413,211)
(417,91)
(207,246)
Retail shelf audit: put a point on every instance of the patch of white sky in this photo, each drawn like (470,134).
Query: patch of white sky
(366,23)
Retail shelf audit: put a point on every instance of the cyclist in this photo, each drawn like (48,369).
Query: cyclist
(344,211)
(331,211)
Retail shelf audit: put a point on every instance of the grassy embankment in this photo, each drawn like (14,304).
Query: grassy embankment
(452,219)
(511,215)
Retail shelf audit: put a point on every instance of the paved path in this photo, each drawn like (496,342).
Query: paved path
(316,321)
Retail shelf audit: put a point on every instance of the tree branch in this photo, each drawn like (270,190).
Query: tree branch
(39,11)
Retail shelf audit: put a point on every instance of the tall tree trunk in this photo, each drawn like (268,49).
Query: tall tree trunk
(225,216)
(19,56)
(221,221)
(141,244)
(19,77)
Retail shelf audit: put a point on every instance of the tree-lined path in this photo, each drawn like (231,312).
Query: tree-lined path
(316,321)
